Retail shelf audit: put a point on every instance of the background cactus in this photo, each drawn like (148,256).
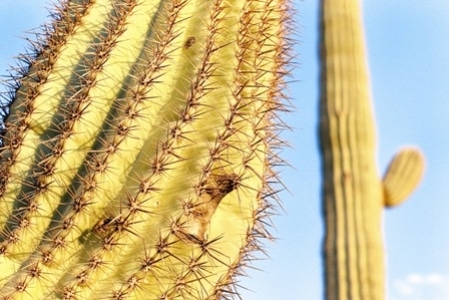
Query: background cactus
(354,195)
(138,149)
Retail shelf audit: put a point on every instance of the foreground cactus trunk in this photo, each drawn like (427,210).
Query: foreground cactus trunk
(138,150)
(354,195)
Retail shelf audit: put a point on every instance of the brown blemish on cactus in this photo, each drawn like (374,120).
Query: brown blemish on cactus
(146,146)
(200,212)
(189,42)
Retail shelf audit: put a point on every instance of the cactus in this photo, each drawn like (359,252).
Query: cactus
(353,193)
(138,149)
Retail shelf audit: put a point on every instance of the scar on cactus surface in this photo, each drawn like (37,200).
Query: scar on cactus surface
(138,149)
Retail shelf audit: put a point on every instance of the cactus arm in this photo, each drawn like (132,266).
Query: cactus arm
(353,193)
(402,176)
(149,158)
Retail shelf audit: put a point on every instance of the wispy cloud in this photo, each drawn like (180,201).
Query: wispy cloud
(417,286)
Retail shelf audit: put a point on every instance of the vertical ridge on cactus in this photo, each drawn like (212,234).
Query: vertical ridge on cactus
(353,193)
(138,150)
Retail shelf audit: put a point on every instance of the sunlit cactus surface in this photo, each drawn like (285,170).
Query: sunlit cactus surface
(354,195)
(138,147)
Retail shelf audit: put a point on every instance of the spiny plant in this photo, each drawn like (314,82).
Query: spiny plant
(353,193)
(139,145)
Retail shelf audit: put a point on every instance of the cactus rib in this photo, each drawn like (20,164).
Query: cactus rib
(353,193)
(138,151)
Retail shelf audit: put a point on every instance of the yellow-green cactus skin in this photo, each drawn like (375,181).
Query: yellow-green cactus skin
(353,193)
(138,151)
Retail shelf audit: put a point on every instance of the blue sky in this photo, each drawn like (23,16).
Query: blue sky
(409,64)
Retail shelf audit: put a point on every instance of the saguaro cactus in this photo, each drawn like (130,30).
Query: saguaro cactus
(138,149)
(354,195)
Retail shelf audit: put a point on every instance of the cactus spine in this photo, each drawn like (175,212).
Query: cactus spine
(138,149)
(353,193)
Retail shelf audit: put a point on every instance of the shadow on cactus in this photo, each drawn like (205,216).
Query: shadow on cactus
(138,150)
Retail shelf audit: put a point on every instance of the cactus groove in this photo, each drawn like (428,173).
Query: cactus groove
(353,193)
(138,150)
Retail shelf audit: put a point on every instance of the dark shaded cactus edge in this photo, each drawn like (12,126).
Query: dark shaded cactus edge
(353,193)
(139,147)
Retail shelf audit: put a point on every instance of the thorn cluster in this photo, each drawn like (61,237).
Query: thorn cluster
(138,150)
